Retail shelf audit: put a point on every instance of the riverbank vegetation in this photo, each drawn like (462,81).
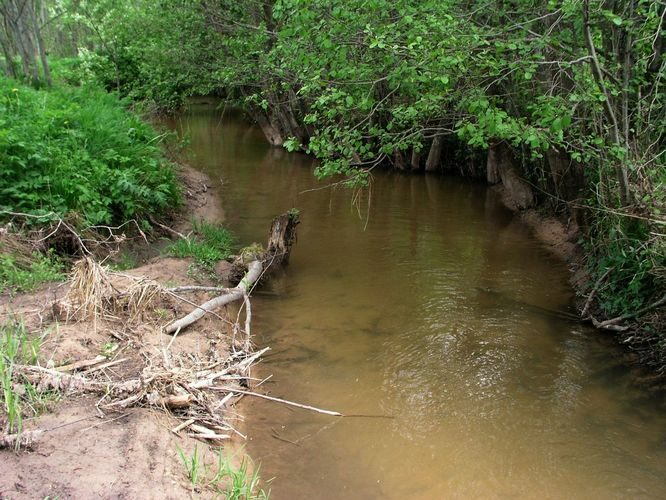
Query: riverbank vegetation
(560,102)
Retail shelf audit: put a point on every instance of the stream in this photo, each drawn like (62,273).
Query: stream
(433,315)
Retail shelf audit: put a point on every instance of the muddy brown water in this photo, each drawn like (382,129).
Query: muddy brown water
(438,317)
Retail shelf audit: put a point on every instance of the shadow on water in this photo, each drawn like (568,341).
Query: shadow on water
(438,308)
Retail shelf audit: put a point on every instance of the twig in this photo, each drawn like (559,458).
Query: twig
(590,297)
(182,426)
(283,401)
(106,365)
(167,228)
(197,288)
(105,422)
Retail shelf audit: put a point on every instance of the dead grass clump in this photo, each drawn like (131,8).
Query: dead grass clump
(91,293)
(97,293)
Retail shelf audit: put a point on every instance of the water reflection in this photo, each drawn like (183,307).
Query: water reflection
(437,308)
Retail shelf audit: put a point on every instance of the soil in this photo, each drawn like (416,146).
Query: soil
(127,452)
(559,237)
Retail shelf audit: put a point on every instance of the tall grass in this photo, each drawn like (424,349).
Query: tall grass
(77,149)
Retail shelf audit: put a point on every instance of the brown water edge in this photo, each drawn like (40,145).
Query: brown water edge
(439,310)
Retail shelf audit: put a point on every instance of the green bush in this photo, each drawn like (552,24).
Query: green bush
(634,263)
(77,149)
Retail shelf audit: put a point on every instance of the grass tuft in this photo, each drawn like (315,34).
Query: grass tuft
(235,483)
(207,245)
(23,273)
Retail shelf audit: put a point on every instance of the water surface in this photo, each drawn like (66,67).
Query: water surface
(428,304)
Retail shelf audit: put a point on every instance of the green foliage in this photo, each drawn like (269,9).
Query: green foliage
(637,265)
(23,275)
(146,50)
(238,483)
(78,150)
(235,483)
(207,245)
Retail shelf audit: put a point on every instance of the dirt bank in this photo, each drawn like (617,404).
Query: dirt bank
(88,448)
(636,332)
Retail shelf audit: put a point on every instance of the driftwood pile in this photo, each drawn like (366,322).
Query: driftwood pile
(198,390)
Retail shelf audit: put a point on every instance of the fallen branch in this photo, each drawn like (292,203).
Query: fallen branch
(237,293)
(612,324)
(281,238)
(46,378)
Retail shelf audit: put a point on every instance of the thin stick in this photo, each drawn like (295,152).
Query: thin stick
(180,427)
(196,288)
(590,297)
(283,401)
(106,365)
(105,422)
(78,365)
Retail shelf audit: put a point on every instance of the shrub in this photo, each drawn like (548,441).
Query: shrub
(77,149)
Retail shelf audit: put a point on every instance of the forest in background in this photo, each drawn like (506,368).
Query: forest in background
(562,102)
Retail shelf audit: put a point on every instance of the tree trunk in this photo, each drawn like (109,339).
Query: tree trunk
(518,191)
(399,160)
(40,45)
(620,170)
(415,161)
(435,154)
(271,132)
(492,167)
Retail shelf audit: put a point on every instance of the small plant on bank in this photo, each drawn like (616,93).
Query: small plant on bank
(194,466)
(238,483)
(18,397)
(207,245)
(23,273)
(235,483)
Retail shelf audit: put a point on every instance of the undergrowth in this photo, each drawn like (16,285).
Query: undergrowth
(77,149)
(633,261)
(207,244)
